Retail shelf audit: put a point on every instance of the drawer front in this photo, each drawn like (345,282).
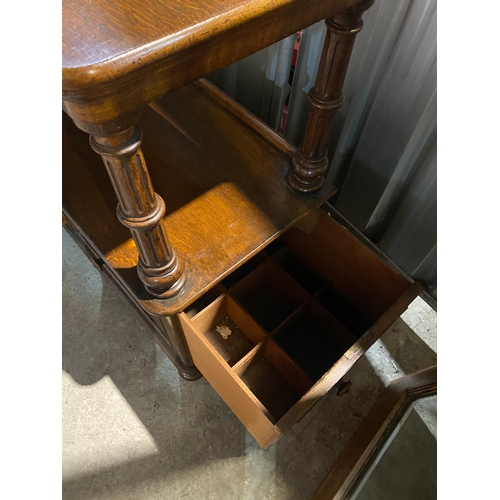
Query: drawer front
(229,386)
(291,322)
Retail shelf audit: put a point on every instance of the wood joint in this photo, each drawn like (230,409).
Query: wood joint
(148,222)
(105,147)
(343,30)
(322,105)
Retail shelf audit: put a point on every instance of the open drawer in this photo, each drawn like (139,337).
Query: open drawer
(300,314)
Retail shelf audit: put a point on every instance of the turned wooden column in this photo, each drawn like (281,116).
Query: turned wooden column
(141,210)
(172,327)
(310,162)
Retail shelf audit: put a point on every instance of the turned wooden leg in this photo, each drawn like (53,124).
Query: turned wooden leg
(141,210)
(310,162)
(172,329)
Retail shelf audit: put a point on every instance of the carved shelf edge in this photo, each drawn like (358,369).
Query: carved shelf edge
(223,175)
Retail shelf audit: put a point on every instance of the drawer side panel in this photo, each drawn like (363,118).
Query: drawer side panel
(236,395)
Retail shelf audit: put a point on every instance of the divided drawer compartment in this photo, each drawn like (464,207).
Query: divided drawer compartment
(300,313)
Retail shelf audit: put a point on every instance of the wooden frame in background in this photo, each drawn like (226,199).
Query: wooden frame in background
(370,439)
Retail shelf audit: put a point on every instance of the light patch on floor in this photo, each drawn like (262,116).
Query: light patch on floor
(120,437)
(377,352)
(423,321)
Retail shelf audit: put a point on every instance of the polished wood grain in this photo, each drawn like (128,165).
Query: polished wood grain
(118,56)
(367,440)
(223,180)
(141,210)
(310,162)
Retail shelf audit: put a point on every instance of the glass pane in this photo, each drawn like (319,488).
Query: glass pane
(407,466)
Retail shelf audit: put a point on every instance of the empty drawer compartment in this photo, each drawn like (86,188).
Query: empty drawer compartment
(296,337)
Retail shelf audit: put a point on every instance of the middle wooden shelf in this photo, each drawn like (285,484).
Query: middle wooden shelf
(223,175)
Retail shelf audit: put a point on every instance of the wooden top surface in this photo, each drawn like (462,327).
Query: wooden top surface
(222,174)
(95,31)
(103,40)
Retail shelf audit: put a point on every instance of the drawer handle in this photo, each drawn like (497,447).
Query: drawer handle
(343,387)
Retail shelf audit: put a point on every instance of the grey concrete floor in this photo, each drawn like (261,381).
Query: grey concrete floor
(133,429)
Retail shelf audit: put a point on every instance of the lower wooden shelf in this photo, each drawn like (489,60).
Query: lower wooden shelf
(222,173)
(301,313)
